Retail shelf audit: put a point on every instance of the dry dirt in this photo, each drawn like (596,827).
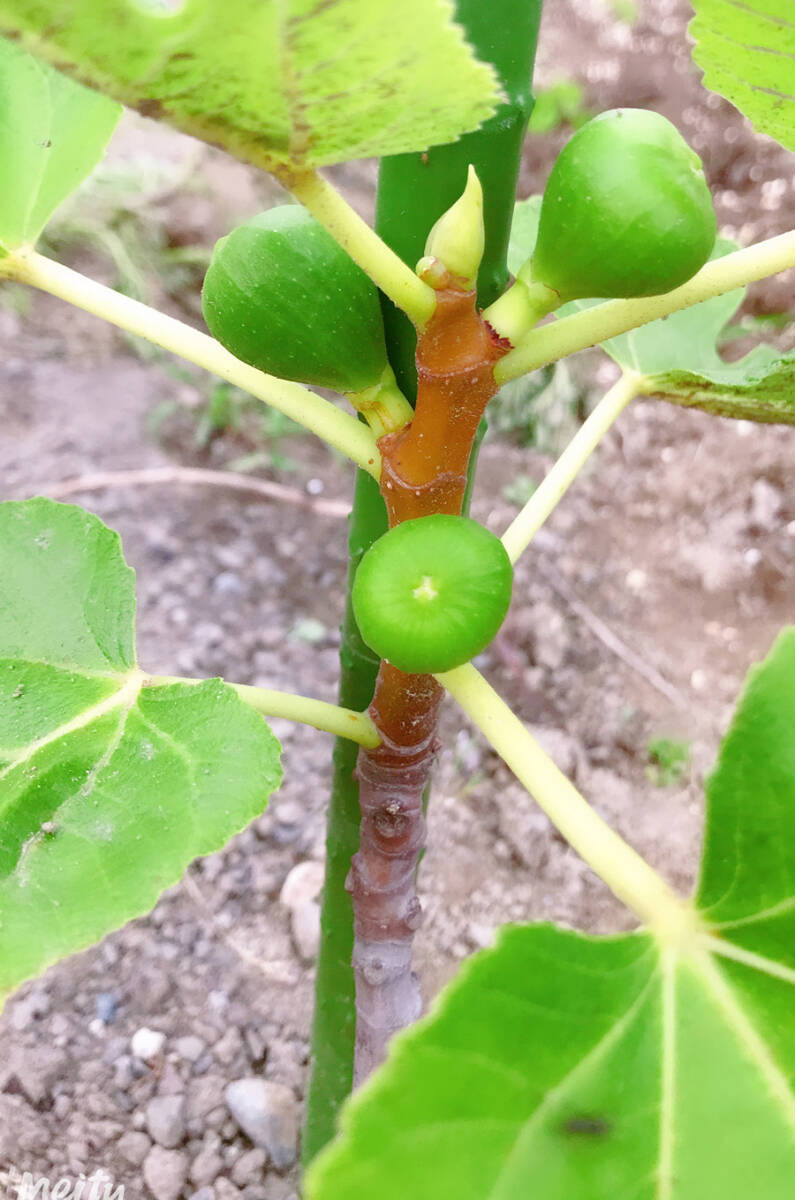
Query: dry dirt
(664,574)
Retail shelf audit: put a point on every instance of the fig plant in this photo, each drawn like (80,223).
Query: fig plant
(557,1065)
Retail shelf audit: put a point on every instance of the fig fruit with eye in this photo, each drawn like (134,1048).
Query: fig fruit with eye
(431,593)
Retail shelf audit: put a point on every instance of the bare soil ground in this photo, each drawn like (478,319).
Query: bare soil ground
(662,576)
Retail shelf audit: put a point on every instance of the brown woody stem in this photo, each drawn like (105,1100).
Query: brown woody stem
(424,471)
(386,910)
(424,466)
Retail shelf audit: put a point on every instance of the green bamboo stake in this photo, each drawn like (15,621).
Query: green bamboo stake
(334,1025)
(413,191)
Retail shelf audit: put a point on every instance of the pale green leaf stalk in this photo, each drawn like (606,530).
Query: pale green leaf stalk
(607,320)
(560,477)
(321,417)
(357,727)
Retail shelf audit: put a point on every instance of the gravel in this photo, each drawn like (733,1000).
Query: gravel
(165,1120)
(250,1167)
(147,1044)
(134,1147)
(165,1173)
(268,1115)
(305,928)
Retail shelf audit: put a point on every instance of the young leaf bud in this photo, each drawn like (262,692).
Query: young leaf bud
(458,237)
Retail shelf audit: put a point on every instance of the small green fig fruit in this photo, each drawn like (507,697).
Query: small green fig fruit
(626,212)
(432,593)
(281,295)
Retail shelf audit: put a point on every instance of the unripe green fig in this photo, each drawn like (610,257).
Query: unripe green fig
(432,593)
(626,212)
(281,295)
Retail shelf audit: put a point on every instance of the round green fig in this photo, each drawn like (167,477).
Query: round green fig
(626,212)
(432,593)
(284,297)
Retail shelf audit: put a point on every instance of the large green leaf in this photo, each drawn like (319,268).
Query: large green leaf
(109,786)
(644,1066)
(747,52)
(52,134)
(678,354)
(276,82)
(747,885)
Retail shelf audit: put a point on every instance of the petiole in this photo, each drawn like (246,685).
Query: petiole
(559,478)
(558,339)
(329,718)
(341,430)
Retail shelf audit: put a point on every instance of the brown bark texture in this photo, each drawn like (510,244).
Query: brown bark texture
(424,472)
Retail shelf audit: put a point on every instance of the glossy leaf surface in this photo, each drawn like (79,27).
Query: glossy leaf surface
(109,788)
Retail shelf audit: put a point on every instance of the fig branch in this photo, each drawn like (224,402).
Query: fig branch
(413,191)
(386,909)
(548,343)
(341,430)
(424,473)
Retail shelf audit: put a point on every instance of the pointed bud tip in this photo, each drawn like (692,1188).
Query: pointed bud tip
(458,237)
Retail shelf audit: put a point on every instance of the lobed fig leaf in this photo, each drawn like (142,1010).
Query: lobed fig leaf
(110,783)
(432,593)
(281,295)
